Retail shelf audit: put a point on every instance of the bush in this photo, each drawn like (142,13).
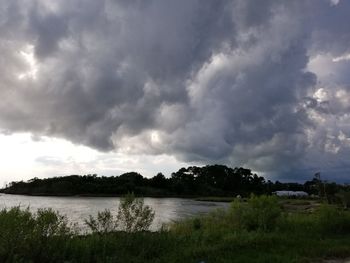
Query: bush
(49,223)
(133,215)
(345,198)
(260,213)
(16,227)
(39,236)
(104,223)
(331,219)
(197,224)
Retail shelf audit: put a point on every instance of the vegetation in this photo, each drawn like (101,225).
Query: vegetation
(38,237)
(259,213)
(133,216)
(210,180)
(258,230)
(345,198)
(104,223)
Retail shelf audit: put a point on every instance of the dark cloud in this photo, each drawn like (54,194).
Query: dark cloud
(211,81)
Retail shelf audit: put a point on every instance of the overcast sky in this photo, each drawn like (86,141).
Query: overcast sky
(111,86)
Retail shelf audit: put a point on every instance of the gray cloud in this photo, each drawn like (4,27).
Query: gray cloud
(210,81)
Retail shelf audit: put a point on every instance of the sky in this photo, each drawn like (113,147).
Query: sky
(151,86)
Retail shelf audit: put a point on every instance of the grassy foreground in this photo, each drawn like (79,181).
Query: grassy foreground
(254,231)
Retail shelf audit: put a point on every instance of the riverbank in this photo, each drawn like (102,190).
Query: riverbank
(215,199)
(194,197)
(254,231)
(99,195)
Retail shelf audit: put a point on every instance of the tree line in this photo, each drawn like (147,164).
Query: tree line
(210,180)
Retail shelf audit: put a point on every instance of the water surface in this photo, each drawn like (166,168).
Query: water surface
(79,208)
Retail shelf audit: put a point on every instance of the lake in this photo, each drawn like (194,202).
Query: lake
(79,208)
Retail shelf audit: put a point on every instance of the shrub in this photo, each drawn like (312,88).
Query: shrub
(345,198)
(331,219)
(133,215)
(49,223)
(237,214)
(104,222)
(260,213)
(197,224)
(39,236)
(15,229)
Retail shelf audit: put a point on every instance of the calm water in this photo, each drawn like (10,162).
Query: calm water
(79,208)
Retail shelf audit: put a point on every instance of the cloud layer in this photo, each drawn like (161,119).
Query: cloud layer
(238,82)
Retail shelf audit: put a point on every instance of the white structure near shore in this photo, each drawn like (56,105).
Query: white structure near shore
(291,193)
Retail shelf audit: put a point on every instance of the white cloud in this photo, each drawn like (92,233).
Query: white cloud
(334,2)
(344,57)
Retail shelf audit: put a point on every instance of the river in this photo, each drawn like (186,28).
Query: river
(79,208)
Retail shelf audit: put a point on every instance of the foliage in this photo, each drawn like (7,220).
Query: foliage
(45,237)
(216,180)
(299,237)
(104,223)
(210,180)
(344,196)
(260,212)
(133,215)
(15,228)
(38,234)
(330,219)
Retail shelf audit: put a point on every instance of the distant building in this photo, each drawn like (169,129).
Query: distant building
(290,193)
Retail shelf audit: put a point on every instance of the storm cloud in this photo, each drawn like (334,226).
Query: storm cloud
(264,85)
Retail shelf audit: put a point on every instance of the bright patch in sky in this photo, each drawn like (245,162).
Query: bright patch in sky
(341,58)
(24,157)
(334,2)
(31,63)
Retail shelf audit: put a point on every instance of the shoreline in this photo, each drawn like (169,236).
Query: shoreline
(259,230)
(195,198)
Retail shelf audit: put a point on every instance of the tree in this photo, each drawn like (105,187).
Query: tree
(159,181)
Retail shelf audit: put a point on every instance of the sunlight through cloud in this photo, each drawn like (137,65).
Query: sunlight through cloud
(32,64)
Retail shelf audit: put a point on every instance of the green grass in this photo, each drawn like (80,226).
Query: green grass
(254,231)
(299,205)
